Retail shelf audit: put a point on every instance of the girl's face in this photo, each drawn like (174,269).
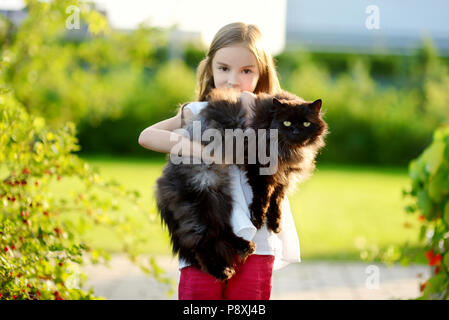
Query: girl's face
(235,67)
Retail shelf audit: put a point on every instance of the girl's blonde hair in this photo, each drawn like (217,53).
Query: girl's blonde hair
(233,34)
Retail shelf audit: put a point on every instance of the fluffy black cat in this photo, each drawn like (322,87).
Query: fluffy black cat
(195,200)
(300,135)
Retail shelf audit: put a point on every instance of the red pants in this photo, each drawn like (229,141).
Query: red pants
(251,281)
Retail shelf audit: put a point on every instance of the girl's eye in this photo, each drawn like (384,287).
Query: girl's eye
(222,68)
(306,124)
(287,123)
(249,71)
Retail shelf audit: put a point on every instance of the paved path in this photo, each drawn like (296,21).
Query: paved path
(298,281)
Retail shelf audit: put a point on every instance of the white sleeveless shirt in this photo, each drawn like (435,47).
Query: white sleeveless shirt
(284,246)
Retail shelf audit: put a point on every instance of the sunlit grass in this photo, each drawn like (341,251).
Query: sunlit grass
(342,205)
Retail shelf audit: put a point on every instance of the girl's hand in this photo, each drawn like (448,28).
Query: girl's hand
(248,101)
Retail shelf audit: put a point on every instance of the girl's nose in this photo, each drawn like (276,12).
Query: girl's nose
(232,85)
(232,82)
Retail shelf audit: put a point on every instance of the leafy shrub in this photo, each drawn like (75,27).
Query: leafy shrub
(430,190)
(69,75)
(429,196)
(151,99)
(41,234)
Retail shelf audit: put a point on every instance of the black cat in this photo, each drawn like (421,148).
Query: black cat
(301,132)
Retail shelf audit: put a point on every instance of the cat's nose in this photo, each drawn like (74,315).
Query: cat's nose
(295,131)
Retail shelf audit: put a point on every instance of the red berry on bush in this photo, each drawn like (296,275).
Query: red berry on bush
(24,213)
(422,286)
(46,213)
(6,249)
(436,261)
(433,259)
(26,171)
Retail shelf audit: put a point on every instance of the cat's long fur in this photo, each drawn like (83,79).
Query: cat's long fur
(195,200)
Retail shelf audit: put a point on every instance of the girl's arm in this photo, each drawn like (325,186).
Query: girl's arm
(157,136)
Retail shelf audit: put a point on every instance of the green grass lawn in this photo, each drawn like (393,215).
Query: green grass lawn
(337,207)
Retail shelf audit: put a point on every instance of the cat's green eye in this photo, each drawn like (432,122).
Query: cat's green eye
(287,123)
(306,124)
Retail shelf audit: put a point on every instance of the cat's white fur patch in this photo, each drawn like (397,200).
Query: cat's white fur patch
(204,179)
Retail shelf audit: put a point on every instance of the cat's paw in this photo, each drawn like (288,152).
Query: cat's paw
(246,249)
(223,274)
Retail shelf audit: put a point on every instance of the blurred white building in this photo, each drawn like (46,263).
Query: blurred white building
(202,18)
(349,25)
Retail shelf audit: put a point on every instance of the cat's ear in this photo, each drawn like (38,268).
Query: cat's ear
(276,102)
(316,105)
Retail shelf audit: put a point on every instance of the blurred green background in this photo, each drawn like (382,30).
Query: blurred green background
(381,111)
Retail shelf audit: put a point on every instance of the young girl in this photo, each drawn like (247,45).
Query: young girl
(236,59)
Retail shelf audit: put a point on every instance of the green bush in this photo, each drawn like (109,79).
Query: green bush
(430,191)
(69,75)
(152,99)
(429,200)
(42,243)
